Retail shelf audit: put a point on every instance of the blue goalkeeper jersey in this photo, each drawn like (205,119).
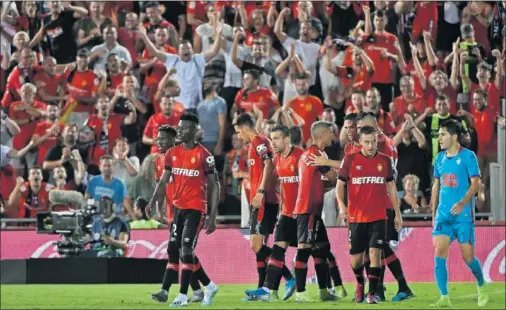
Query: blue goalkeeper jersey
(455,174)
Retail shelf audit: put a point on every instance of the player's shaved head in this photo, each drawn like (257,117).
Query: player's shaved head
(322,134)
(367,119)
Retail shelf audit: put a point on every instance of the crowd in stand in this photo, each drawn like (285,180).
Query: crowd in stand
(86,85)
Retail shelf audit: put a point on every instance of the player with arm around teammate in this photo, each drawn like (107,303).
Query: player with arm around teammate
(456,182)
(194,183)
(371,188)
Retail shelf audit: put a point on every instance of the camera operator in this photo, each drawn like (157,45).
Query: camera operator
(114,233)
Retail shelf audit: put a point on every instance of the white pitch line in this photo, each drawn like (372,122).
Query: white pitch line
(476,295)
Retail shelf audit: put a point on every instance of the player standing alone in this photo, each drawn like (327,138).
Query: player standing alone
(263,216)
(370,182)
(165,140)
(312,235)
(193,174)
(457,180)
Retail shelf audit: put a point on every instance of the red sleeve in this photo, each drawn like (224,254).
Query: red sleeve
(306,173)
(39,131)
(390,170)
(342,72)
(273,98)
(262,148)
(434,20)
(238,98)
(168,159)
(148,131)
(318,106)
(191,5)
(344,170)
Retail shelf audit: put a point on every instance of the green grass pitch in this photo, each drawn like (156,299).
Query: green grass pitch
(463,296)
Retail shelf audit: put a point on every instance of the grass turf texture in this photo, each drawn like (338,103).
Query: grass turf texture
(463,296)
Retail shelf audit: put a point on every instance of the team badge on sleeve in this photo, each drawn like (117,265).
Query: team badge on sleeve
(210,161)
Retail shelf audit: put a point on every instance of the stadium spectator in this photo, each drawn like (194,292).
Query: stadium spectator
(233,173)
(46,132)
(100,53)
(23,73)
(413,200)
(8,129)
(90,30)
(384,119)
(407,102)
(212,114)
(144,221)
(167,116)
(50,83)
(7,173)
(125,167)
(107,185)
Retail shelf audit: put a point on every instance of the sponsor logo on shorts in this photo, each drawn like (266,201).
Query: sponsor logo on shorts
(368,180)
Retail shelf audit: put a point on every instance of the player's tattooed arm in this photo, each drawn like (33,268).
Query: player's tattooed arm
(213,198)
(434,199)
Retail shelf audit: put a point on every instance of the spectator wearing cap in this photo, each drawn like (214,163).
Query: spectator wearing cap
(89,29)
(59,29)
(99,53)
(83,85)
(189,67)
(144,221)
(304,46)
(212,113)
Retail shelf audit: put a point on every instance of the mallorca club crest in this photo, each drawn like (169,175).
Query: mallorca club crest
(193,160)
(380,167)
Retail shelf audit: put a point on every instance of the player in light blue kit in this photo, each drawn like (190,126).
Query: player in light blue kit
(457,179)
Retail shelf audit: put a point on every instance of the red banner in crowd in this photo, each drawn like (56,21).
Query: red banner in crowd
(226,252)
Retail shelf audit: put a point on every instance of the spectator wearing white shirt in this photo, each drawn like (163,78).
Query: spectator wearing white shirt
(8,129)
(124,167)
(212,114)
(233,74)
(189,67)
(101,52)
(304,46)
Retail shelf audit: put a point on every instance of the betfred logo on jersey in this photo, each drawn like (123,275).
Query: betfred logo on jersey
(368,180)
(292,179)
(185,172)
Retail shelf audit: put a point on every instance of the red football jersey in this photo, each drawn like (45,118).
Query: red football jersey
(82,84)
(288,175)
(309,109)
(373,45)
(351,148)
(263,98)
(51,84)
(31,203)
(159,167)
(385,122)
(430,95)
(493,96)
(25,135)
(41,129)
(157,120)
(260,149)
(367,179)
(311,186)
(385,146)
(401,108)
(189,170)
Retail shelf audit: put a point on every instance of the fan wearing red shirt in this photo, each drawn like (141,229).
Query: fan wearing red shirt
(357,102)
(32,196)
(194,184)
(254,23)
(483,75)
(107,127)
(114,75)
(349,134)
(50,85)
(82,85)
(385,122)
(21,74)
(263,216)
(358,76)
(25,114)
(308,107)
(407,102)
(438,84)
(169,89)
(156,20)
(426,19)
(369,178)
(166,117)
(46,132)
(128,36)
(196,13)
(311,231)
(382,48)
(251,94)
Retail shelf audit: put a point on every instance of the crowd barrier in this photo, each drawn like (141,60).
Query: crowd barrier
(227,258)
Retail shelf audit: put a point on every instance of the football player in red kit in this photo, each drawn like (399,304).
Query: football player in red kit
(165,139)
(312,236)
(194,183)
(369,176)
(262,196)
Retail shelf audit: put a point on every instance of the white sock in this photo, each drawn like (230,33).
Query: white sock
(266,289)
(197,292)
(210,286)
